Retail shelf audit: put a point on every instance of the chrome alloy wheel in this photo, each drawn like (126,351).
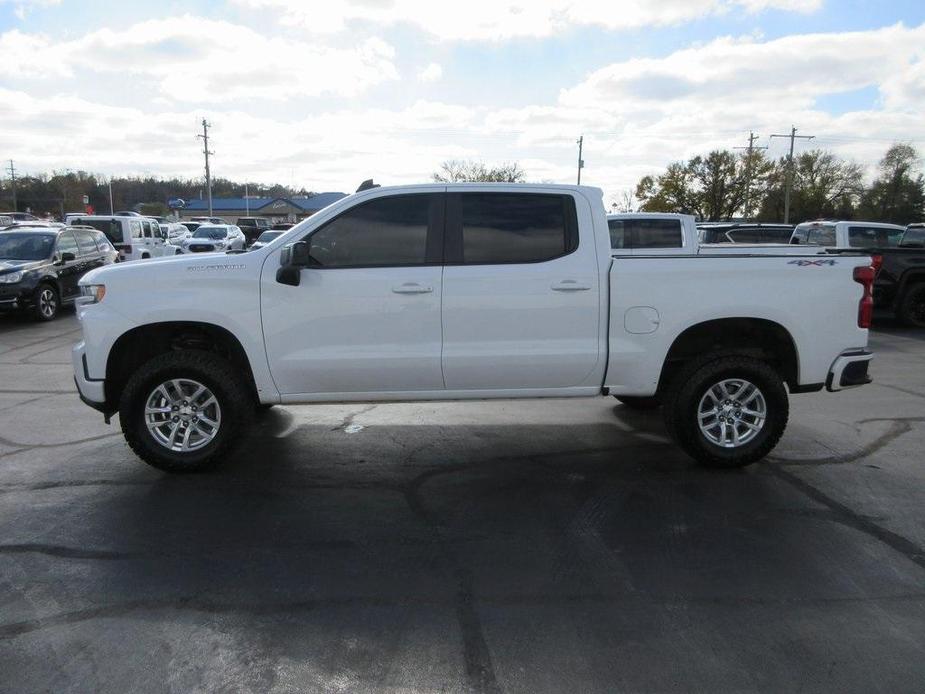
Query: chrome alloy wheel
(48,305)
(182,415)
(732,412)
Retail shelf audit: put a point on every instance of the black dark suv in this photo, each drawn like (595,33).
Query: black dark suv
(252,227)
(40,267)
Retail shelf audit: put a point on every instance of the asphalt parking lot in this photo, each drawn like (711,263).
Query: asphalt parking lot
(539,546)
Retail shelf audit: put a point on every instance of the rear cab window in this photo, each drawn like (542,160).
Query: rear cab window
(873,237)
(641,233)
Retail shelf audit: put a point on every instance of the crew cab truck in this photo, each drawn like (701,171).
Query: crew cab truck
(468,291)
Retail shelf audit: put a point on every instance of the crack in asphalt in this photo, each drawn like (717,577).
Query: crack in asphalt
(848,517)
(898,427)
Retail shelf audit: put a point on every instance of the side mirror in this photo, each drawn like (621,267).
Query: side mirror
(68,257)
(292,259)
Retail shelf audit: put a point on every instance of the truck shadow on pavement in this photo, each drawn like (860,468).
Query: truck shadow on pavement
(486,558)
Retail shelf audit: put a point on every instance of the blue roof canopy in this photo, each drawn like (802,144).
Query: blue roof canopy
(307,203)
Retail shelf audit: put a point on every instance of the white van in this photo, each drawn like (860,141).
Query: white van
(136,238)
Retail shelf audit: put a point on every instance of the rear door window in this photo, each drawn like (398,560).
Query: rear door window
(135,227)
(873,237)
(492,228)
(86,243)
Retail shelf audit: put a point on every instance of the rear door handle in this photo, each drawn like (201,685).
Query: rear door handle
(412,288)
(570,286)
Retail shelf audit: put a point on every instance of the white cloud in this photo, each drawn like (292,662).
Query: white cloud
(431,73)
(506,19)
(194,59)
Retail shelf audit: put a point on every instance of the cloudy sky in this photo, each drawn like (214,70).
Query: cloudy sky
(323,95)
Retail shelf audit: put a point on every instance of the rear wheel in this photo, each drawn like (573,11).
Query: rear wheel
(183,411)
(639,402)
(727,412)
(46,302)
(912,308)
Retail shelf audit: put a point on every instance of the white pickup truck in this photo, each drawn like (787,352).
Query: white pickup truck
(456,292)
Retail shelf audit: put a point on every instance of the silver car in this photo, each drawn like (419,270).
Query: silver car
(214,238)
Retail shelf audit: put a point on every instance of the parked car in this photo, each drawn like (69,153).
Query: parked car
(6,220)
(208,220)
(40,268)
(745,232)
(210,238)
(265,238)
(664,233)
(252,227)
(135,237)
(458,292)
(71,216)
(282,226)
(177,232)
(127,213)
(21,216)
(833,234)
(192,226)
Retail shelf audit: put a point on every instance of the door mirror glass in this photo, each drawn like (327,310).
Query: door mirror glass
(67,257)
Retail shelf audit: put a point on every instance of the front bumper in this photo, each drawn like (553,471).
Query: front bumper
(92,391)
(15,298)
(849,370)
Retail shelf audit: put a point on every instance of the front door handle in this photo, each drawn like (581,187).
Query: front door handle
(412,288)
(570,286)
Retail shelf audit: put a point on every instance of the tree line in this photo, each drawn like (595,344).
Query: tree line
(62,192)
(725,185)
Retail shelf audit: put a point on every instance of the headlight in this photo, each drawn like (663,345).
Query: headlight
(10,278)
(92,293)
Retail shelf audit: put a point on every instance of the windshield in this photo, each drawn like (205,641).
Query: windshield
(26,246)
(210,233)
(268,236)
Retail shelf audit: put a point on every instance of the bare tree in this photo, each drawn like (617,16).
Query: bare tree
(467,170)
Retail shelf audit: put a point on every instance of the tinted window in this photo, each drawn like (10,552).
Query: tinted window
(387,231)
(110,227)
(645,233)
(822,236)
(618,237)
(205,232)
(873,237)
(268,236)
(655,233)
(135,227)
(85,242)
(67,244)
(914,238)
(516,227)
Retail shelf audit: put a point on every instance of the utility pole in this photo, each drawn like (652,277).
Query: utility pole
(581,162)
(205,150)
(748,169)
(247,202)
(12,170)
(793,136)
(110,195)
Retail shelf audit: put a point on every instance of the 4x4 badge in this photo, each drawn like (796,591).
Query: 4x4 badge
(816,263)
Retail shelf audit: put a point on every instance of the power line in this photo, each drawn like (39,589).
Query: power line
(205,150)
(793,136)
(12,171)
(748,168)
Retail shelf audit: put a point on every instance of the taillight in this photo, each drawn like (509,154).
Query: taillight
(876,262)
(865,276)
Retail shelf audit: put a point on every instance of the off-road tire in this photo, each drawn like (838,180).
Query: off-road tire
(912,307)
(234,398)
(640,402)
(683,395)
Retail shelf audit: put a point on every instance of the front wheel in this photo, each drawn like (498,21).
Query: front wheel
(912,308)
(727,412)
(183,411)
